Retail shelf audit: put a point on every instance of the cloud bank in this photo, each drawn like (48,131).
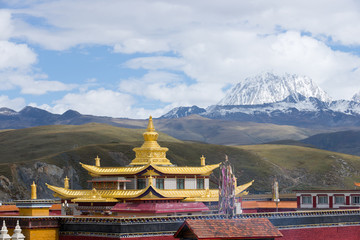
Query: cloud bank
(187,52)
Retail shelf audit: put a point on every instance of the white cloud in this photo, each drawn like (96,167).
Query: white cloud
(100,102)
(232,56)
(15,104)
(16,65)
(15,55)
(29,83)
(149,26)
(172,89)
(6,27)
(215,43)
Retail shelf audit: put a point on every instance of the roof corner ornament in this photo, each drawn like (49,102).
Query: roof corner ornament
(202,161)
(97,161)
(66,182)
(33,191)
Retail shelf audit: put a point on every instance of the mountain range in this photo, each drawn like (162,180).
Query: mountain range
(285,100)
(295,118)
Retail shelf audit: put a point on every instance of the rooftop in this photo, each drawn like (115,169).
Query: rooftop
(228,229)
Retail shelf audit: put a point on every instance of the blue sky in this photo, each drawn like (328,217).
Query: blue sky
(135,58)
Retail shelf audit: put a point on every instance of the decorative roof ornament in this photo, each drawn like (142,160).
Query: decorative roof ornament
(202,160)
(150,152)
(97,161)
(150,127)
(66,182)
(4,232)
(33,191)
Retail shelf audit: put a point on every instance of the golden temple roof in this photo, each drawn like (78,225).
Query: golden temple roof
(101,171)
(94,196)
(105,195)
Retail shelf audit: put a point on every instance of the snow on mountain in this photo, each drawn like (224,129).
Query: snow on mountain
(346,107)
(287,105)
(270,88)
(179,112)
(356,97)
(7,111)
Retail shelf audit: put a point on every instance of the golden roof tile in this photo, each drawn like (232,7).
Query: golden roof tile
(101,171)
(102,195)
(202,170)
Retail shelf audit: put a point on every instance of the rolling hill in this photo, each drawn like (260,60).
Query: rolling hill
(47,154)
(193,127)
(342,141)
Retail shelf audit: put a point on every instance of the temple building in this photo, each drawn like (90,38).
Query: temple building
(149,185)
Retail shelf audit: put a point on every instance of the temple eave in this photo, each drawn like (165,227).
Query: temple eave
(96,171)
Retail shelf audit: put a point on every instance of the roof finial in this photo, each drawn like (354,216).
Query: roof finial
(33,191)
(66,182)
(150,127)
(202,160)
(97,161)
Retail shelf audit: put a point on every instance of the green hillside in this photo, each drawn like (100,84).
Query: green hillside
(216,131)
(48,154)
(33,143)
(302,167)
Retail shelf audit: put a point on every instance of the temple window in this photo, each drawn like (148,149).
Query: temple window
(339,199)
(355,199)
(323,199)
(200,183)
(160,183)
(180,183)
(141,183)
(306,200)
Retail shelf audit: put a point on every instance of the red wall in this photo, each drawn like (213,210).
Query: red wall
(328,233)
(321,233)
(108,238)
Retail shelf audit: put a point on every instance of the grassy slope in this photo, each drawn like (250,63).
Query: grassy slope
(197,128)
(302,167)
(39,143)
(294,166)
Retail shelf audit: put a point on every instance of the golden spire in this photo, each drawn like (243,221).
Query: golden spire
(150,127)
(150,136)
(202,160)
(66,182)
(97,161)
(33,191)
(150,152)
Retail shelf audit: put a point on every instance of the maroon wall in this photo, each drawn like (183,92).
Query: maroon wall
(322,233)
(113,238)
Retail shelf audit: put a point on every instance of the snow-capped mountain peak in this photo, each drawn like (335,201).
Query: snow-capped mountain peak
(270,88)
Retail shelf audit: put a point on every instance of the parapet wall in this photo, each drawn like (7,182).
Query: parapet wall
(337,224)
